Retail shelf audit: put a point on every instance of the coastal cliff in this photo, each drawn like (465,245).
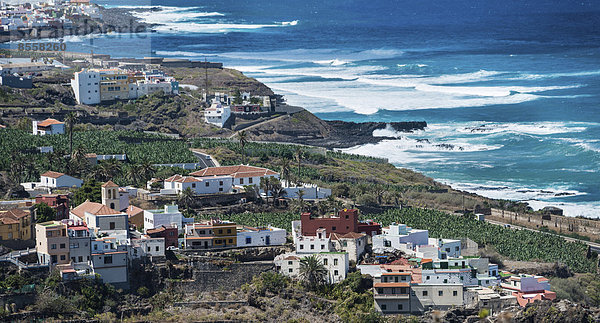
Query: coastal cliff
(305,128)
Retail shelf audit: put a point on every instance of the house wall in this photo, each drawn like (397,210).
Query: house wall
(313,244)
(259,238)
(115,272)
(52,241)
(80,249)
(156,218)
(86,87)
(354,247)
(63,181)
(452,295)
(346,222)
(103,222)
(242,181)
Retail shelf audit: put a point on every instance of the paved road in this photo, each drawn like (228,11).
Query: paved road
(594,246)
(205,160)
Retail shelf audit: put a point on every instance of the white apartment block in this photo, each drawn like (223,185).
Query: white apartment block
(168,216)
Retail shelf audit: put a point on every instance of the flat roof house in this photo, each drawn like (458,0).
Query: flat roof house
(56,180)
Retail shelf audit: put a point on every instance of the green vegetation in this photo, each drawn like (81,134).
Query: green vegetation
(44,212)
(583,289)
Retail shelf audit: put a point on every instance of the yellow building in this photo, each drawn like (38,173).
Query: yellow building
(15,224)
(225,234)
(114,84)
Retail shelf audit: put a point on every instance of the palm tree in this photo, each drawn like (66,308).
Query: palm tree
(70,120)
(298,153)
(312,271)
(134,174)
(285,169)
(146,170)
(276,189)
(109,169)
(265,185)
(187,198)
(243,139)
(299,203)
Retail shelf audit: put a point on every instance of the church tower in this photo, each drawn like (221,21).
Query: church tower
(110,195)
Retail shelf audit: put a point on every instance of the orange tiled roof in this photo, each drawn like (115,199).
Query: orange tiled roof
(48,122)
(12,216)
(187,179)
(133,210)
(52,174)
(235,171)
(93,208)
(110,184)
(173,178)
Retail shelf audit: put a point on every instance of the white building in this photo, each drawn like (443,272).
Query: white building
(205,185)
(353,243)
(169,216)
(242,174)
(48,127)
(217,114)
(258,237)
(86,86)
(336,263)
(311,191)
(109,260)
(147,247)
(397,236)
(80,241)
(55,180)
(20,68)
(313,244)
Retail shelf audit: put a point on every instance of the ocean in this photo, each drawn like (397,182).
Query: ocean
(510,89)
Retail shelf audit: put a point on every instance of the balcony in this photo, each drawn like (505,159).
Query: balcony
(391,296)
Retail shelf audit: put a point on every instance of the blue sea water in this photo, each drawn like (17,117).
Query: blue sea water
(510,89)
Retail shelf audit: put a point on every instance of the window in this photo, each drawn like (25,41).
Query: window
(447,249)
(157,248)
(290,270)
(230,240)
(456,248)
(399,307)
(62,246)
(220,231)
(63,257)
(220,189)
(250,180)
(445,281)
(335,262)
(290,262)
(80,259)
(333,228)
(301,246)
(241,181)
(221,183)
(53,246)
(395,279)
(74,245)
(425,293)
(379,290)
(207,184)
(325,262)
(148,248)
(108,259)
(228,230)
(322,246)
(441,293)
(312,247)
(193,185)
(111,225)
(335,272)
(455,293)
(249,241)
(201,232)
(427,278)
(383,307)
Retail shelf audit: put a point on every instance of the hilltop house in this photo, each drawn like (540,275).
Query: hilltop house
(217,114)
(206,185)
(56,180)
(211,234)
(48,127)
(242,174)
(258,237)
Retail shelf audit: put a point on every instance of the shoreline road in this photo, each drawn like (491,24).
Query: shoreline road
(205,160)
(593,246)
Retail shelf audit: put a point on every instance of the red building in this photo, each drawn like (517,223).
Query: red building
(346,221)
(170,234)
(59,202)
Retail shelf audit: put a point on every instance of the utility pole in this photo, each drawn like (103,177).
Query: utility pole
(205,80)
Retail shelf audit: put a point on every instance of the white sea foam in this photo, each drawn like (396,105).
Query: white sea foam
(557,75)
(290,23)
(532,128)
(333,62)
(513,191)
